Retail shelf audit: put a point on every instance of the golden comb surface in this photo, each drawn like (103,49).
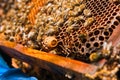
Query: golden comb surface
(36,6)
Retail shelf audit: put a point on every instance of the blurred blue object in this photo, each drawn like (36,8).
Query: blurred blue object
(7,73)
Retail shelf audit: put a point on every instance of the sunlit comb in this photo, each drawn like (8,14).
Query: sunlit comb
(36,6)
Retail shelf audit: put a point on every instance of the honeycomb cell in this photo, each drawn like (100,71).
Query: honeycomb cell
(106,38)
(90,34)
(100,13)
(92,39)
(101,43)
(88,45)
(82,49)
(116,23)
(61,34)
(114,14)
(111,30)
(111,18)
(118,18)
(77,44)
(96,44)
(101,38)
(112,26)
(108,15)
(83,40)
(105,19)
(102,23)
(108,22)
(116,10)
(75,40)
(106,33)
(96,32)
(92,27)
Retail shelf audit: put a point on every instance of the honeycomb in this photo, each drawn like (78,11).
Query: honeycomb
(68,28)
(90,38)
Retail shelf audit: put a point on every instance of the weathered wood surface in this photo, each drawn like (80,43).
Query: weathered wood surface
(46,60)
(115,37)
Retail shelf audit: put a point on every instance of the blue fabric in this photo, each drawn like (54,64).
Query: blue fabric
(3,66)
(7,73)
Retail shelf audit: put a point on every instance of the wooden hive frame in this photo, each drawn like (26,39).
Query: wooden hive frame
(53,62)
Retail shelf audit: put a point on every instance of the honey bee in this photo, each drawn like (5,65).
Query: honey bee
(12,38)
(78,10)
(32,34)
(78,1)
(49,10)
(106,48)
(27,28)
(87,12)
(82,36)
(60,22)
(2,29)
(69,22)
(53,51)
(79,18)
(82,7)
(89,21)
(8,32)
(32,44)
(24,36)
(49,5)
(72,13)
(39,37)
(50,31)
(94,56)
(69,29)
